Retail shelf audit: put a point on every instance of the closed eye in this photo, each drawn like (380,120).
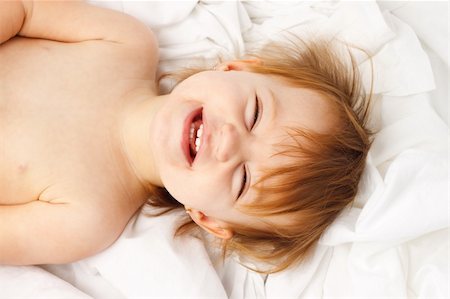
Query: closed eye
(256,118)
(245,181)
(258,109)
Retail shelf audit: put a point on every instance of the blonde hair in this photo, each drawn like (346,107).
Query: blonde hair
(322,178)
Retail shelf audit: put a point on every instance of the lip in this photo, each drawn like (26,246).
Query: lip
(185,135)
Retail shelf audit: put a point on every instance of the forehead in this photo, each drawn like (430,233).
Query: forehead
(299,107)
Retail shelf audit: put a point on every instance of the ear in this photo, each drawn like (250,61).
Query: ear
(237,65)
(213,226)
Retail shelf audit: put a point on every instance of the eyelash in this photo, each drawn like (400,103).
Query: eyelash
(257,112)
(244,182)
(255,120)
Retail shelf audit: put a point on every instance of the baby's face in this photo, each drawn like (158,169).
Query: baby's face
(219,130)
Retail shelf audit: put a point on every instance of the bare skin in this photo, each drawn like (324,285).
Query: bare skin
(83,132)
(64,87)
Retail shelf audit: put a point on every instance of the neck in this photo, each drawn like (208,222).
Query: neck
(135,127)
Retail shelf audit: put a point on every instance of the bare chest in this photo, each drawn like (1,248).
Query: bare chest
(58,123)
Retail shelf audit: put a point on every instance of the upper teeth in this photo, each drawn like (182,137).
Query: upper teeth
(199,134)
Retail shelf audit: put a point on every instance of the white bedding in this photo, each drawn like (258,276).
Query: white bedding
(393,242)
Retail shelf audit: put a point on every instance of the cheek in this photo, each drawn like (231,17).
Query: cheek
(203,192)
(174,181)
(183,185)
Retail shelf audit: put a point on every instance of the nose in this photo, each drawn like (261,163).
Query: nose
(228,143)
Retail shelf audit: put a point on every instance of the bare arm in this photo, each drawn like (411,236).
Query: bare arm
(78,22)
(41,232)
(12,16)
(69,21)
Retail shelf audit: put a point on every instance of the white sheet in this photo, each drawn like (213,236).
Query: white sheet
(393,242)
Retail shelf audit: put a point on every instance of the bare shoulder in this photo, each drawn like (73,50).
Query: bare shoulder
(80,23)
(139,55)
(136,51)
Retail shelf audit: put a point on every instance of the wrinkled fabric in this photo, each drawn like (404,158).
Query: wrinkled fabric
(392,242)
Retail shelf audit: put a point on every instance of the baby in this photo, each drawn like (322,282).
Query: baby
(263,153)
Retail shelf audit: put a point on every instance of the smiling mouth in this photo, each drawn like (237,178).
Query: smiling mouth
(193,131)
(195,134)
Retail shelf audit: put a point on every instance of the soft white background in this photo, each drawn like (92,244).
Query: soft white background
(392,243)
